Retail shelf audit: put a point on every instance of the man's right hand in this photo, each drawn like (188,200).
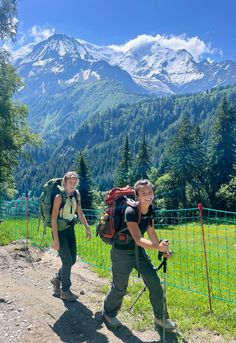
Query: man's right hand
(163,246)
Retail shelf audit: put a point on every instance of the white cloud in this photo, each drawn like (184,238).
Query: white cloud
(133,43)
(34,35)
(194,45)
(26,40)
(41,33)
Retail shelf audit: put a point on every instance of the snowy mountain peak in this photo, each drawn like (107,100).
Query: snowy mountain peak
(57,46)
(151,67)
(61,61)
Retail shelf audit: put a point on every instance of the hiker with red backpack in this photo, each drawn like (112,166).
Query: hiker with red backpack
(62,223)
(128,252)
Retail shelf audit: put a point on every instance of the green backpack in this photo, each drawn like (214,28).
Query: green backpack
(50,190)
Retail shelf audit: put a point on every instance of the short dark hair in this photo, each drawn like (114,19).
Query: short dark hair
(140,183)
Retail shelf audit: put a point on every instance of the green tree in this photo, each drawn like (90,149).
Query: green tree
(226,195)
(166,192)
(123,171)
(143,164)
(183,159)
(196,189)
(14,131)
(8,21)
(85,182)
(222,149)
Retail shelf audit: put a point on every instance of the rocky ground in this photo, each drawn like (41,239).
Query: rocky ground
(29,312)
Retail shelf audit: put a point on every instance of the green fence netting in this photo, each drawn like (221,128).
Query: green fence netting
(203,243)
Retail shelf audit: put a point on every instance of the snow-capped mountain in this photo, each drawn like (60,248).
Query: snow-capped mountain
(163,70)
(61,61)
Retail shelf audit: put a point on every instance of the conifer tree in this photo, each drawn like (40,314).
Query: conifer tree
(197,187)
(122,173)
(8,21)
(85,182)
(183,158)
(143,164)
(222,148)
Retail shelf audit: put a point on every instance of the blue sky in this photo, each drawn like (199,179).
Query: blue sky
(206,26)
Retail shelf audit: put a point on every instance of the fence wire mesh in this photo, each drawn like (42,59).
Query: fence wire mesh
(203,259)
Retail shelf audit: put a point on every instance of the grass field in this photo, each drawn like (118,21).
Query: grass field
(187,289)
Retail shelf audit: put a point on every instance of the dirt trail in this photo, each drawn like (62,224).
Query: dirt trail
(29,312)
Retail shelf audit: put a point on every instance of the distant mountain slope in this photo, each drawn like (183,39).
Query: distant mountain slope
(100,136)
(56,115)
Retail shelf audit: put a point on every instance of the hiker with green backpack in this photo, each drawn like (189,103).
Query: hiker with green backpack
(62,223)
(128,252)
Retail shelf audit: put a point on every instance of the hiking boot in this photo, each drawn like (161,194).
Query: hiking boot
(68,296)
(111,322)
(56,286)
(169,325)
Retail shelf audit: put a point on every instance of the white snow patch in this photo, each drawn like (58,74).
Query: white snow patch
(43,87)
(57,69)
(42,62)
(62,49)
(85,75)
(31,73)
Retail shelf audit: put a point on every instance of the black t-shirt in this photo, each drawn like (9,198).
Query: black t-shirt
(132,215)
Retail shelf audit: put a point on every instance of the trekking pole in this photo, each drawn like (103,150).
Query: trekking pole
(144,289)
(138,297)
(164,265)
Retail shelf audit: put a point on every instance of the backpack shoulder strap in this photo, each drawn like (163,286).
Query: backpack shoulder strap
(152,210)
(76,194)
(135,206)
(63,196)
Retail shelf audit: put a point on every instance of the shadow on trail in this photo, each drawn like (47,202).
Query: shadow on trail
(171,336)
(77,324)
(127,336)
(124,333)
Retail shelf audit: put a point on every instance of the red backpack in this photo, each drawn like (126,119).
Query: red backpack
(112,218)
